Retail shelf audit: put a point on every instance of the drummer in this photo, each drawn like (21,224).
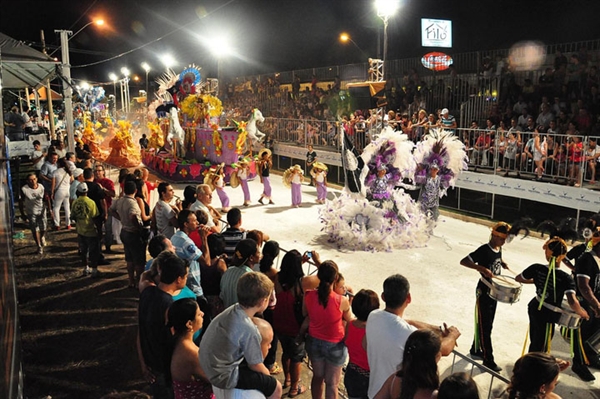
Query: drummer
(587,271)
(551,285)
(487,260)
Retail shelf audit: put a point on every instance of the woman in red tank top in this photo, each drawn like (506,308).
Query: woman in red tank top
(326,310)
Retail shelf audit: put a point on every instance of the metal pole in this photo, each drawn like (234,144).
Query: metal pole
(385,44)
(67,90)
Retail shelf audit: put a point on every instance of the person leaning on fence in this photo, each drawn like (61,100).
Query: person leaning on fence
(222,360)
(388,331)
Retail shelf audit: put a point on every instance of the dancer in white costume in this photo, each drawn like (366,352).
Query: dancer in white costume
(374,213)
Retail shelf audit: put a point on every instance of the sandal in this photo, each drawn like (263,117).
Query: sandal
(275,369)
(300,389)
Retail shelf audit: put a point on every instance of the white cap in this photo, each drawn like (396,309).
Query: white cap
(77,172)
(445,111)
(82,188)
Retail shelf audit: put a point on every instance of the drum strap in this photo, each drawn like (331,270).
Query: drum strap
(487,283)
(548,306)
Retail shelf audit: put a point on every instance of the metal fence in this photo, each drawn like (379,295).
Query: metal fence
(558,158)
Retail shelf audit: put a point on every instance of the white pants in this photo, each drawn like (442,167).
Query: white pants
(61,198)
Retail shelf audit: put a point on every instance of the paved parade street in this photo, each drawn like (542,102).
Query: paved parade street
(442,290)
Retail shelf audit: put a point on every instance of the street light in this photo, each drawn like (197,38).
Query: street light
(385,9)
(168,60)
(146,68)
(345,38)
(220,47)
(67,84)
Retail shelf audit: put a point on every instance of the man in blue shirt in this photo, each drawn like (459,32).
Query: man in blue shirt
(187,250)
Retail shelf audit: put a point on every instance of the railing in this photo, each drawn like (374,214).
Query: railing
(491,151)
(473,365)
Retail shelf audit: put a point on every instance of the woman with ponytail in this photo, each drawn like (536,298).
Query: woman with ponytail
(184,318)
(326,311)
(551,286)
(418,375)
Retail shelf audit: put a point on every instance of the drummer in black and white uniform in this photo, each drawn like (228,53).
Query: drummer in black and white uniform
(487,260)
(587,272)
(545,308)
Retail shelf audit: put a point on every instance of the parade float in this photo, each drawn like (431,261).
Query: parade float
(187,137)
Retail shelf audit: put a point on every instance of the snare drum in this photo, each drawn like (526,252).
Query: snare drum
(594,343)
(505,289)
(569,319)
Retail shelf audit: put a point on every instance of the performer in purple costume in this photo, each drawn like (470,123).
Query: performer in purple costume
(242,174)
(265,163)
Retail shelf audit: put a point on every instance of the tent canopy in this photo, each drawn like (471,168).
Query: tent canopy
(23,66)
(43,97)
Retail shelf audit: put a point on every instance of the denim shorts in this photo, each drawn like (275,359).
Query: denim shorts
(325,351)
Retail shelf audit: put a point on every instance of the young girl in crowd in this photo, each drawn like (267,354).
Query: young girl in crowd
(319,173)
(356,378)
(264,165)
(293,178)
(575,155)
(184,317)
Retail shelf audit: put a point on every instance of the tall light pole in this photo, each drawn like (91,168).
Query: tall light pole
(147,69)
(385,9)
(66,72)
(125,90)
(220,48)
(113,76)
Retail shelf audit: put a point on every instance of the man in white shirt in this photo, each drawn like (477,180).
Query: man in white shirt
(203,203)
(36,211)
(387,332)
(37,156)
(164,213)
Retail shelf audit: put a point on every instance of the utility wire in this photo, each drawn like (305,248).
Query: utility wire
(151,42)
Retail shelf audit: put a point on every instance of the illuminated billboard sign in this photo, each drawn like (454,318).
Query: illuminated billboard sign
(436,33)
(436,61)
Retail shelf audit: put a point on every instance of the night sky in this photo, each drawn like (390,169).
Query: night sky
(279,35)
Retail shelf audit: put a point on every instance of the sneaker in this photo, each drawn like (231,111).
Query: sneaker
(96,273)
(40,250)
(87,271)
(43,241)
(69,227)
(492,366)
(582,372)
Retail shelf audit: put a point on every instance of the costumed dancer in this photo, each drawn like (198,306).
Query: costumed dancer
(587,272)
(441,157)
(218,181)
(265,163)
(319,174)
(373,212)
(487,260)
(242,175)
(551,285)
(292,178)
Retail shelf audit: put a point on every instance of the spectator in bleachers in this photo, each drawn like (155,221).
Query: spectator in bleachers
(245,256)
(234,233)
(545,117)
(447,121)
(522,119)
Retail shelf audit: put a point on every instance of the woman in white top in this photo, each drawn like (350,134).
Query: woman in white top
(61,182)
